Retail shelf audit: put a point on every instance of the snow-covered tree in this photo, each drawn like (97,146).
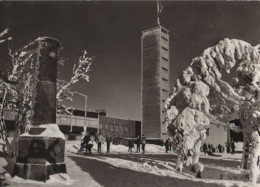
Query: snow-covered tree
(20,84)
(201,97)
(80,72)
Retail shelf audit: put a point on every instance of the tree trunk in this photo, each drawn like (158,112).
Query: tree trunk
(196,155)
(254,157)
(179,163)
(245,156)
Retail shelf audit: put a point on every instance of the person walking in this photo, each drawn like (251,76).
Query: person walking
(232,146)
(209,148)
(108,140)
(205,148)
(170,144)
(129,142)
(219,148)
(167,143)
(143,141)
(228,147)
(84,143)
(100,140)
(138,142)
(131,145)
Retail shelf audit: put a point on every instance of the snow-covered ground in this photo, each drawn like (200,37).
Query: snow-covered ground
(73,147)
(120,168)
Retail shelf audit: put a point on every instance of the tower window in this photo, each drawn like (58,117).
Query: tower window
(164,58)
(164,48)
(164,90)
(165,69)
(164,38)
(164,31)
(164,79)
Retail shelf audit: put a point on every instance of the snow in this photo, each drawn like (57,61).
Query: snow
(161,168)
(74,146)
(51,130)
(254,158)
(92,170)
(9,38)
(170,171)
(61,178)
(4,32)
(200,87)
(224,156)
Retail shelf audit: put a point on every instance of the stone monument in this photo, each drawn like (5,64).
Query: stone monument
(41,151)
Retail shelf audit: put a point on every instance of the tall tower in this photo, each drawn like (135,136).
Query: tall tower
(155,80)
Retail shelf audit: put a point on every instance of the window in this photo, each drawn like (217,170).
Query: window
(164,58)
(164,90)
(164,48)
(164,31)
(164,38)
(165,69)
(164,79)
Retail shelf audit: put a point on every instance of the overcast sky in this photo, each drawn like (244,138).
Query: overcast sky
(111,31)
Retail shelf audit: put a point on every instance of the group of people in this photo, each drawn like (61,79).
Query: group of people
(99,139)
(230,147)
(139,141)
(209,148)
(87,144)
(142,141)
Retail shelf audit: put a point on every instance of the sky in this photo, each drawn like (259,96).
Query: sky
(111,31)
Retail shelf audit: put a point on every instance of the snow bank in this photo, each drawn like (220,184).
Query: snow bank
(61,178)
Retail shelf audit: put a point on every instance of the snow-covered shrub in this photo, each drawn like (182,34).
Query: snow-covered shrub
(201,96)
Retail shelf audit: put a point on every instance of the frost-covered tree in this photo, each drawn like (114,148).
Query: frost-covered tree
(201,97)
(5,85)
(20,84)
(81,71)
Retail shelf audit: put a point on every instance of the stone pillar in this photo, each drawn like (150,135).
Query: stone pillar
(45,101)
(40,153)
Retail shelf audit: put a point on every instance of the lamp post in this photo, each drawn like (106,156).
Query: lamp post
(71,119)
(85,106)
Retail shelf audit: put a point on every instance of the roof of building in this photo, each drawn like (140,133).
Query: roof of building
(77,112)
(154,28)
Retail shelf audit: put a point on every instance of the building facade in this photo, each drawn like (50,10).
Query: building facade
(119,128)
(75,124)
(95,122)
(155,84)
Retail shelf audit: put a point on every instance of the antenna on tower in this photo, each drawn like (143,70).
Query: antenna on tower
(158,13)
